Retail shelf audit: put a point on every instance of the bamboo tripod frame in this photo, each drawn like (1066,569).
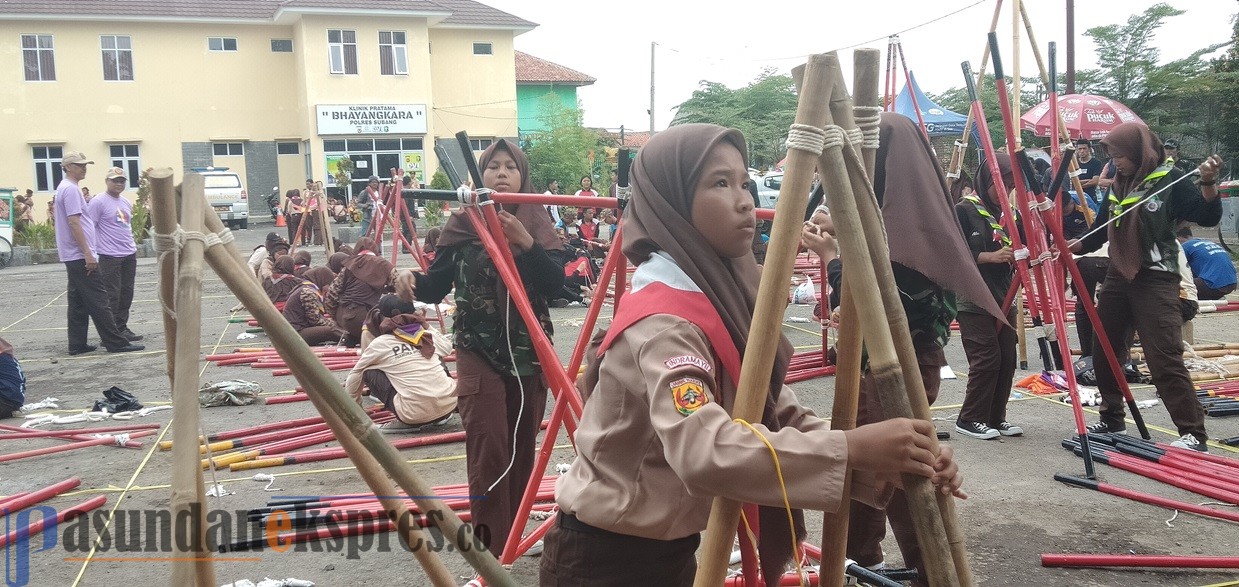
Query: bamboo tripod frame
(322,223)
(374,456)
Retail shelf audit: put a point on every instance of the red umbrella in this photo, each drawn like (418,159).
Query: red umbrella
(1087,116)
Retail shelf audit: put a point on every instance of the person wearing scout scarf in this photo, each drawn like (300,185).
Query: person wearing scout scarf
(501,392)
(304,308)
(1141,289)
(282,281)
(403,368)
(357,289)
(656,442)
(989,342)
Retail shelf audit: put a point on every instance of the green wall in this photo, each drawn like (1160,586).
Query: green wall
(527,102)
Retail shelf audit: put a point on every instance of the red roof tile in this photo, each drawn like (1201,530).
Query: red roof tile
(533,70)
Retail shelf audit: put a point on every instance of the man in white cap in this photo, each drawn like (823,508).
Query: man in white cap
(75,244)
(115,247)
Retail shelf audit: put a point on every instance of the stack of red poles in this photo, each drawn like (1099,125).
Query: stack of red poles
(335,359)
(1202,473)
(15,503)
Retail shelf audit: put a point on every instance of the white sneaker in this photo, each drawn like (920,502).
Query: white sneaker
(535,550)
(1190,443)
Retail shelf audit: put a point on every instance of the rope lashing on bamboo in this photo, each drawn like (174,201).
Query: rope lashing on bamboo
(807,138)
(867,119)
(171,244)
(856,138)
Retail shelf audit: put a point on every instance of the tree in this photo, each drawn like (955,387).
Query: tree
(763,110)
(957,100)
(566,151)
(1226,78)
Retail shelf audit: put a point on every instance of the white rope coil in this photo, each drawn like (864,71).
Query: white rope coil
(807,138)
(856,137)
(464,194)
(1021,253)
(833,137)
(211,239)
(867,118)
(169,243)
(1076,173)
(226,236)
(1043,205)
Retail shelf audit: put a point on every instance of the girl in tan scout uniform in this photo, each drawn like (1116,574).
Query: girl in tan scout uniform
(656,442)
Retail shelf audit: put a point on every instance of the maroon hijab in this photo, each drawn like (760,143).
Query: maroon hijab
(458,230)
(659,218)
(1137,143)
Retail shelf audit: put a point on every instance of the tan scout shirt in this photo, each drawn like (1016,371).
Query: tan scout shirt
(646,469)
(424,391)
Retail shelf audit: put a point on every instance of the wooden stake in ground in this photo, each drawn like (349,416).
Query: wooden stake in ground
(163,218)
(861,234)
(765,333)
(191,565)
(353,427)
(848,347)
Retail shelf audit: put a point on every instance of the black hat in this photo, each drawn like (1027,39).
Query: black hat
(1171,144)
(1084,143)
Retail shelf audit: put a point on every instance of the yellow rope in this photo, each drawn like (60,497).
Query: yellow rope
(791,521)
(45,306)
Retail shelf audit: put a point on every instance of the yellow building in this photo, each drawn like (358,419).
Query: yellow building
(274,90)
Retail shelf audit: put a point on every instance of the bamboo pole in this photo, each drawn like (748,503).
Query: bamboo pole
(323,221)
(353,428)
(1058,116)
(192,565)
(858,222)
(848,351)
(764,337)
(957,156)
(1016,82)
(163,218)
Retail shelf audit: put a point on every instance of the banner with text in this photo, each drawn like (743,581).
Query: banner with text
(352,119)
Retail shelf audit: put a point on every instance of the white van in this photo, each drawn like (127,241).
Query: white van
(226,195)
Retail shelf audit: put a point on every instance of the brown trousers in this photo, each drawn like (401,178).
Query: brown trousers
(488,403)
(351,317)
(316,335)
(579,555)
(1149,304)
(990,348)
(867,525)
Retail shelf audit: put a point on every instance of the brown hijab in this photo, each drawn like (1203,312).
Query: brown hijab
(319,276)
(917,206)
(659,218)
(336,262)
(371,269)
(458,229)
(283,265)
(1138,144)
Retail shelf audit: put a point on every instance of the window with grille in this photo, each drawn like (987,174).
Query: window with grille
(288,148)
(225,149)
(342,51)
(126,157)
(47,171)
(39,58)
(117,57)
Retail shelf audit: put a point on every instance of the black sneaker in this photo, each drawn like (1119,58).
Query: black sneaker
(1191,443)
(128,349)
(1104,427)
(976,430)
(1009,429)
(90,348)
(131,336)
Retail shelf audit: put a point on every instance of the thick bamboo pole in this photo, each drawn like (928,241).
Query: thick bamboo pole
(1016,82)
(961,146)
(163,218)
(191,566)
(862,242)
(764,336)
(352,426)
(324,221)
(848,351)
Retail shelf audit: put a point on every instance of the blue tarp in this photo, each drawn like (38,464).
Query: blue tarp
(938,120)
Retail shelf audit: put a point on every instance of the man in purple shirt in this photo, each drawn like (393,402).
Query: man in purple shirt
(118,255)
(75,243)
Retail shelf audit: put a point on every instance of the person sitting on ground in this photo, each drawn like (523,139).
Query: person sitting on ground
(358,288)
(263,252)
(568,222)
(12,382)
(1213,272)
(606,228)
(304,309)
(337,260)
(589,231)
(301,261)
(431,243)
(403,369)
(282,281)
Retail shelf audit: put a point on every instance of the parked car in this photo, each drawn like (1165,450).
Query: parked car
(226,195)
(768,189)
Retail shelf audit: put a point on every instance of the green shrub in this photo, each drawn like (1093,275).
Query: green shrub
(37,236)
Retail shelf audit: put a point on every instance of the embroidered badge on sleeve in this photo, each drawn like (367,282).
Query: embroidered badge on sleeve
(695,361)
(689,394)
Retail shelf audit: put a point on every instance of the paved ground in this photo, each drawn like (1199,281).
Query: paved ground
(1017,511)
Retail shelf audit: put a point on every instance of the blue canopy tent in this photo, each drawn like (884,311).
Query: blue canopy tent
(938,120)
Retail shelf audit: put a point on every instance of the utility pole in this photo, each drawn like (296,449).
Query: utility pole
(652,87)
(1071,46)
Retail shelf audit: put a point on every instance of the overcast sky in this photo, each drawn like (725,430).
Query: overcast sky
(702,41)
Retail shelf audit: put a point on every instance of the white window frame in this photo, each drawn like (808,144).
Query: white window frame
(129,159)
(489,46)
(231,149)
(48,167)
(222,44)
(479,145)
(397,52)
(118,52)
(338,62)
(38,50)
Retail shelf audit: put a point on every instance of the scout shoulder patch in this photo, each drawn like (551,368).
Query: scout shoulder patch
(689,394)
(695,361)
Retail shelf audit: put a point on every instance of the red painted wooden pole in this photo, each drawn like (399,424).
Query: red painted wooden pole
(1140,560)
(15,503)
(61,516)
(68,447)
(1148,498)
